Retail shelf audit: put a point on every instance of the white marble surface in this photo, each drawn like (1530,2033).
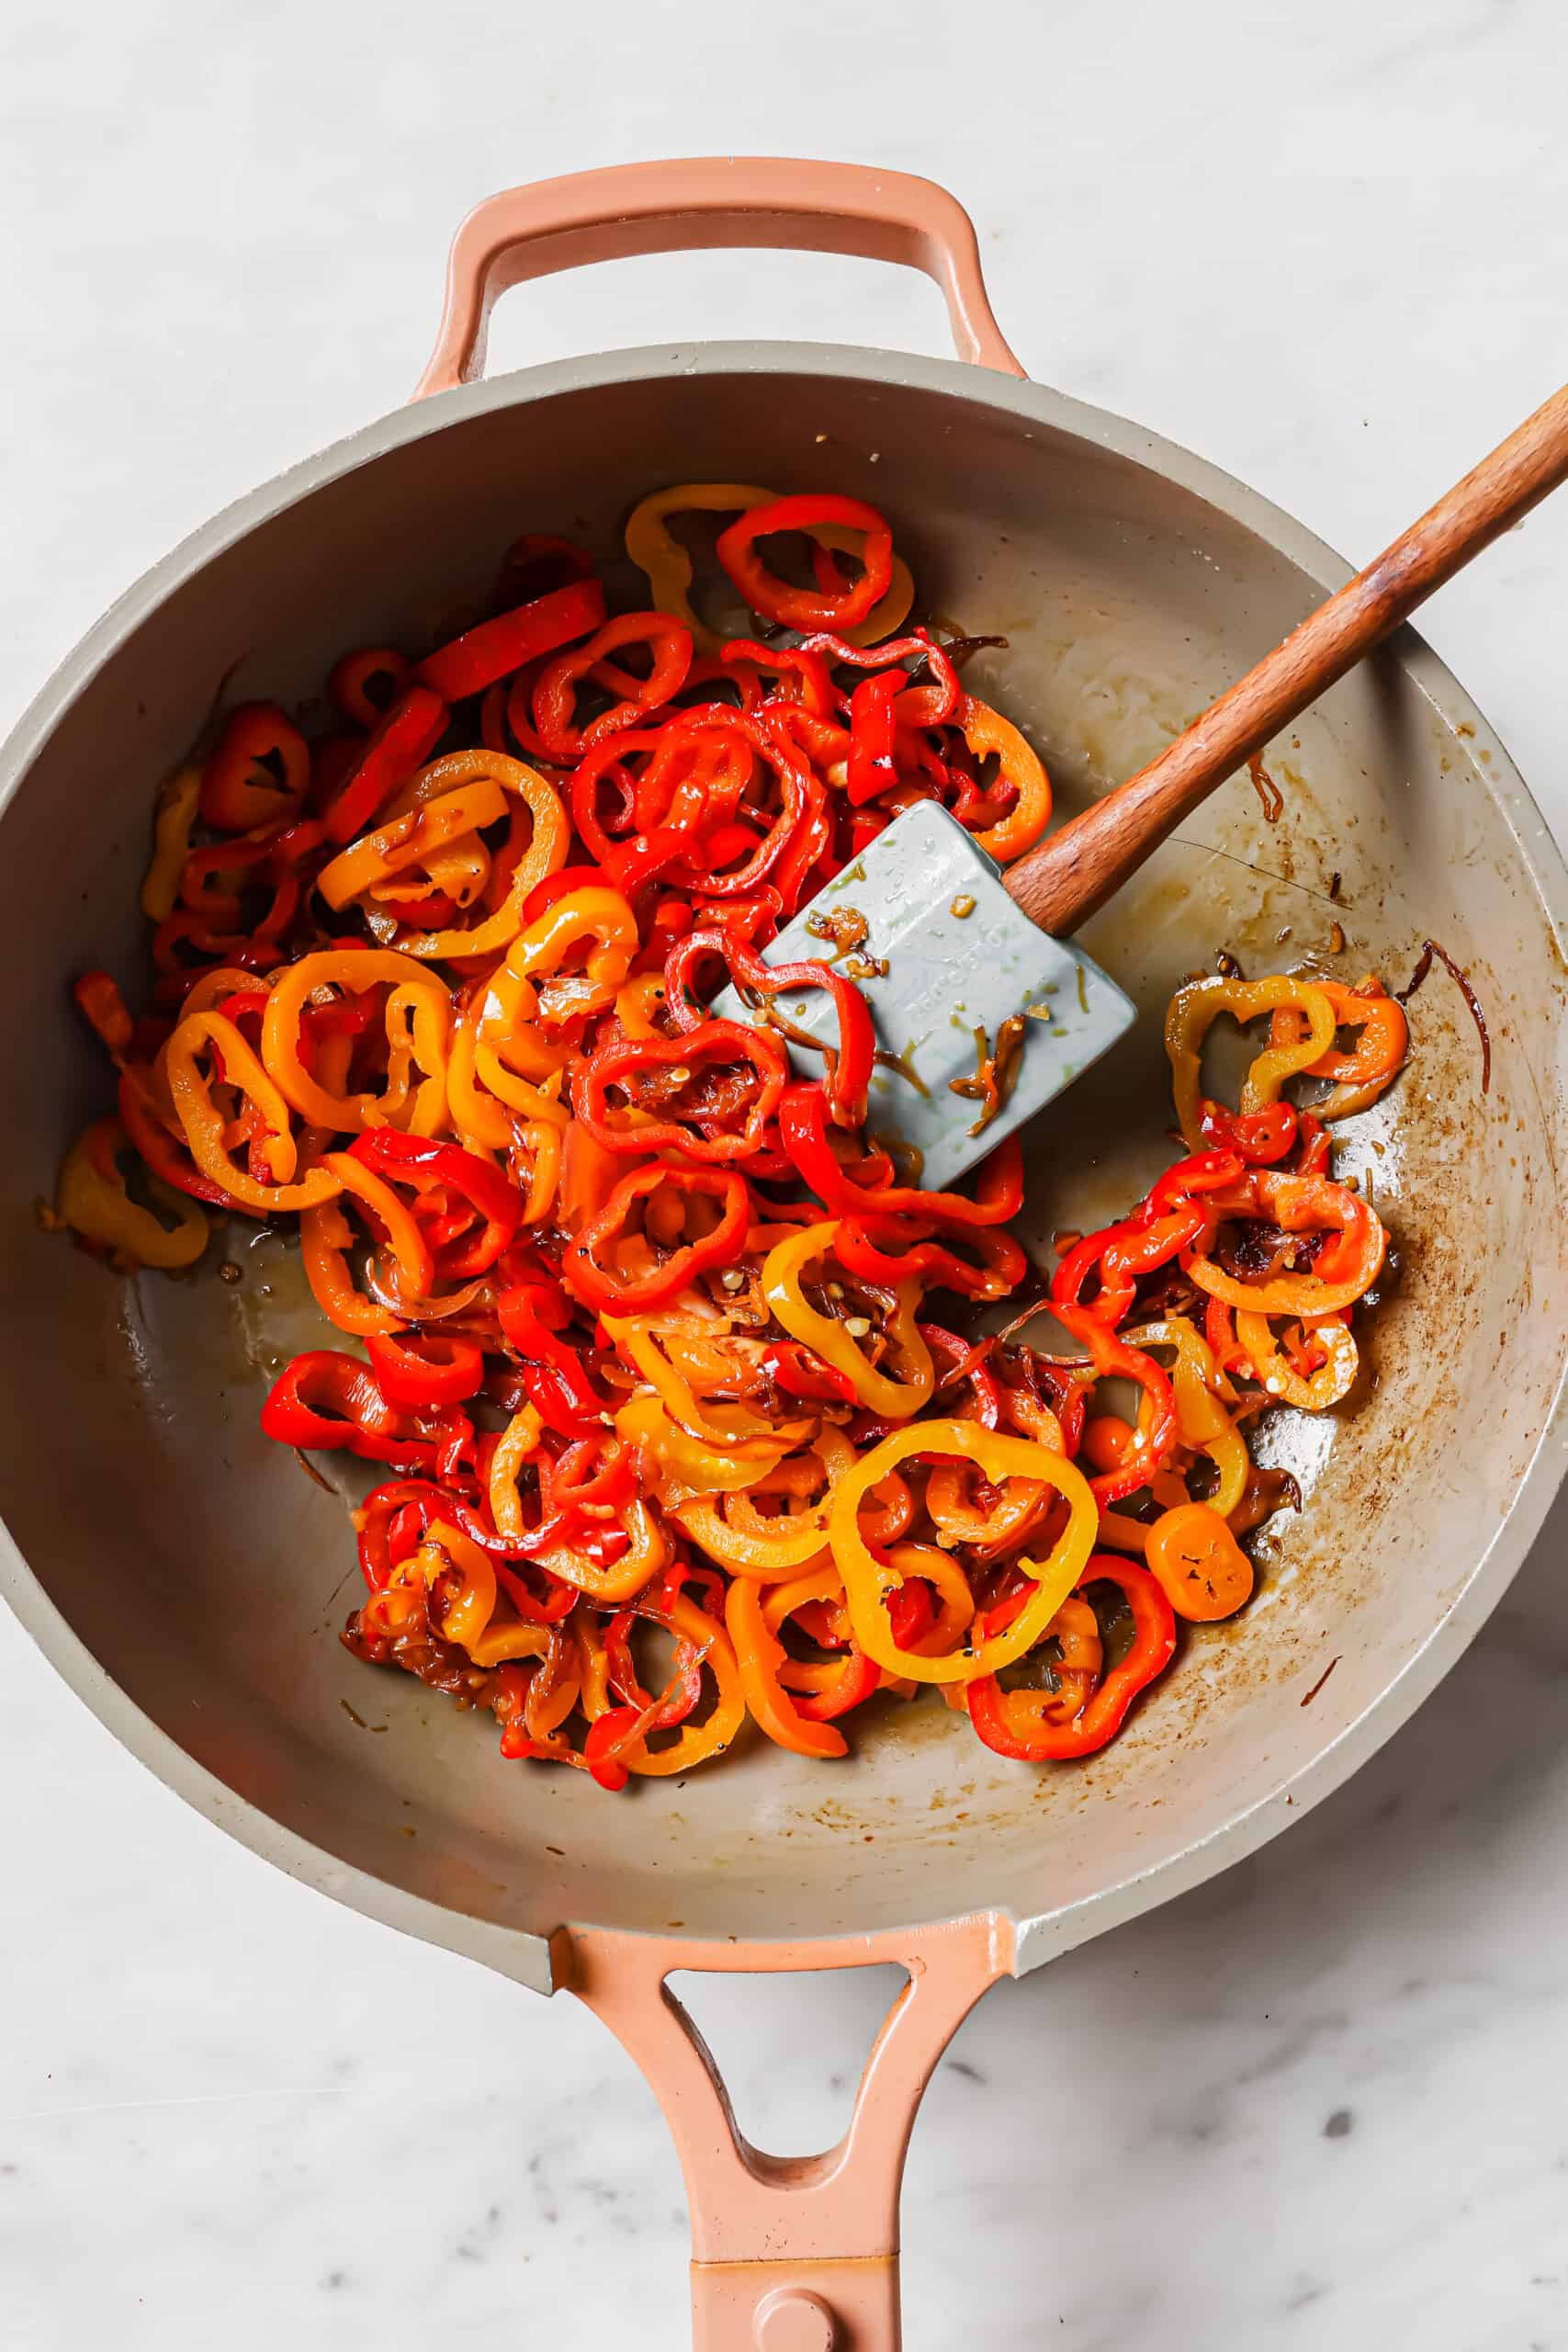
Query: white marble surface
(1316,2106)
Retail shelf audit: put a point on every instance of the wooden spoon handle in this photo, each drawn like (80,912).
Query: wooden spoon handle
(1062,882)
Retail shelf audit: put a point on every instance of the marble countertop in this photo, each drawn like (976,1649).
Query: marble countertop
(1316,2104)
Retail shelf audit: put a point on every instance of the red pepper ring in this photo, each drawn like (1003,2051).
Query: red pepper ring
(608,1737)
(604,762)
(1260,1137)
(616,1062)
(259,773)
(403,1508)
(849,1070)
(769,737)
(803,1130)
(351,684)
(533,1315)
(395,750)
(622,1295)
(1021,1724)
(422,1161)
(804,608)
(1114,1358)
(326,1401)
(427,1367)
(1003,1263)
(856,1675)
(593,1474)
(1123,1253)
(1167,1221)
(796,1371)
(553,698)
(920,645)
(965,1360)
(680,1696)
(872,766)
(492,650)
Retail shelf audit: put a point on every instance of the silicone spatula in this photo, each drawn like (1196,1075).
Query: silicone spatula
(968,945)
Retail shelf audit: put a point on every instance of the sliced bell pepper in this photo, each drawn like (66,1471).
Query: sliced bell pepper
(800,607)
(90,1195)
(325,1401)
(803,1130)
(396,748)
(496,648)
(616,1062)
(1023,1724)
(618,1293)
(364,683)
(432,1367)
(849,1070)
(869,1582)
(420,1161)
(259,772)
(760,1654)
(783,1270)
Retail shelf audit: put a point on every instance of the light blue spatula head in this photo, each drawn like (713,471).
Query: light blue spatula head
(961,958)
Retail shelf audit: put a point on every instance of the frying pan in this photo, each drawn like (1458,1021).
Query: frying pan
(187,1580)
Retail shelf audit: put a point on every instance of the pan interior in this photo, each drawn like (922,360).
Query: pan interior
(208,1574)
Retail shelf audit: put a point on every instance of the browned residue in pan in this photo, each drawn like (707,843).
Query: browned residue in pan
(1430,948)
(1270,798)
(1319,1683)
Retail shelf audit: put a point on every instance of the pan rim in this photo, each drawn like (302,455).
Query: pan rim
(515,1951)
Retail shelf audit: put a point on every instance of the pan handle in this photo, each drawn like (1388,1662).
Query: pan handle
(705,202)
(796,2254)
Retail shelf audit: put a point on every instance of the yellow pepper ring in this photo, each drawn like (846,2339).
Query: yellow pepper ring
(543,1143)
(696,1465)
(715,1424)
(477,1117)
(354,969)
(213,989)
(470,1618)
(667,564)
(90,1195)
(591,913)
(1202,1421)
(409,841)
(889,1399)
(1195,1008)
(544,855)
(171,842)
(822,1583)
(868,1583)
(772,1549)
(605,1588)
(506,1025)
(637,1003)
(204,1124)
(518,1444)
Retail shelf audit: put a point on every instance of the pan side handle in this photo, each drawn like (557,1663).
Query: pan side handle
(701,202)
(796,2254)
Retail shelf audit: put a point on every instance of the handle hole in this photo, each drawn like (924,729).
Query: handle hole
(736,296)
(790,2047)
